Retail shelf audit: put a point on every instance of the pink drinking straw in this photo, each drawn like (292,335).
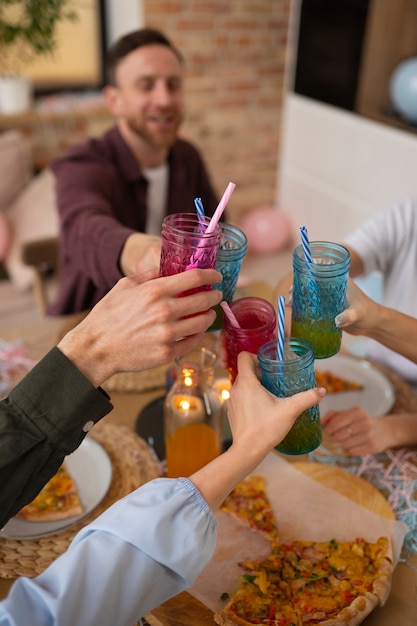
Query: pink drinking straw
(212,224)
(220,208)
(229,314)
(281,327)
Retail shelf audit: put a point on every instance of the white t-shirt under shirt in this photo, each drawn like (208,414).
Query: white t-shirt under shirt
(157,178)
(387,242)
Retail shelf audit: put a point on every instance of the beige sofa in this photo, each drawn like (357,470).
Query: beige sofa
(29,217)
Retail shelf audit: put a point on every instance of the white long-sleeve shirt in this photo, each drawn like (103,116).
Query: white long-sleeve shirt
(387,242)
(144,549)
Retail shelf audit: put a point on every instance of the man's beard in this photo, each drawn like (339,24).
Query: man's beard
(153,139)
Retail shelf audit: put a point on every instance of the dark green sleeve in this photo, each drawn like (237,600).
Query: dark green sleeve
(45,417)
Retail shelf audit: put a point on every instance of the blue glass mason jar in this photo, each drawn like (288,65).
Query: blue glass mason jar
(232,249)
(319,295)
(287,377)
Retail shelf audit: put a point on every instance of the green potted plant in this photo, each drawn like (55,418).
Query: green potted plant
(28,29)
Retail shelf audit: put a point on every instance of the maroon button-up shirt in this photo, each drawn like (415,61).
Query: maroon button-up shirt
(101,196)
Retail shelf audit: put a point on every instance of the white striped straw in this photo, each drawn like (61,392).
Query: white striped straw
(281,327)
(229,314)
(200,213)
(306,244)
(199,207)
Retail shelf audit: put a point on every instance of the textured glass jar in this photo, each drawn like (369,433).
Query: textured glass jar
(258,321)
(185,244)
(285,378)
(319,295)
(232,249)
(193,414)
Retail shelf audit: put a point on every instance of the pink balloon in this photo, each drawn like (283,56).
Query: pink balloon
(267,229)
(5,237)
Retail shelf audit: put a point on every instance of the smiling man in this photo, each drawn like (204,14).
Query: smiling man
(114,191)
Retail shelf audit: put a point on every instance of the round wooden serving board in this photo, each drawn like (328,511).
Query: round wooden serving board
(185,610)
(349,485)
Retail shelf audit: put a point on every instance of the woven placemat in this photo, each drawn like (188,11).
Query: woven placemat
(153,378)
(132,464)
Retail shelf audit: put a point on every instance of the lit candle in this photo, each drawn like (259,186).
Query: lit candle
(223,385)
(188,408)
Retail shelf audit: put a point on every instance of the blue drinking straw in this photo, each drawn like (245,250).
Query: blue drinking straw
(281,327)
(200,213)
(199,207)
(308,257)
(306,244)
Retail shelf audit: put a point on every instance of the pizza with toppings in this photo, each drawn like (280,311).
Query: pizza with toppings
(303,583)
(57,500)
(306,583)
(249,503)
(335,384)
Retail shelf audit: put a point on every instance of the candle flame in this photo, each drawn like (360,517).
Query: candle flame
(185,405)
(224,385)
(225,394)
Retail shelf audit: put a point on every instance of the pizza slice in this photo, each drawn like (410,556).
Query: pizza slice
(249,503)
(335,384)
(307,583)
(58,500)
(262,597)
(339,582)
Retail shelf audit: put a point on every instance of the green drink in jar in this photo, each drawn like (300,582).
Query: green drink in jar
(319,295)
(284,378)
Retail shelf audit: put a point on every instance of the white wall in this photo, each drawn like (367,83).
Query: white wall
(122,17)
(337,168)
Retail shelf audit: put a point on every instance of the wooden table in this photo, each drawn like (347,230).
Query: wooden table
(184,610)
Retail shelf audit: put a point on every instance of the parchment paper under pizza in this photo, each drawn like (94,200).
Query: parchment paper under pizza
(305,510)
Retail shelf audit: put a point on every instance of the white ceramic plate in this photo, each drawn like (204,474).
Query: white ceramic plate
(377,395)
(91,468)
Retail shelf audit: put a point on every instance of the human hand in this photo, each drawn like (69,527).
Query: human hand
(393,329)
(139,325)
(362,312)
(259,420)
(140,253)
(357,431)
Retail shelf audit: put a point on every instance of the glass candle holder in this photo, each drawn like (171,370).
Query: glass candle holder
(319,295)
(192,414)
(286,377)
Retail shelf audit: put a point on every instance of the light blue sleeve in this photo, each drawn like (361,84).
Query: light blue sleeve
(144,549)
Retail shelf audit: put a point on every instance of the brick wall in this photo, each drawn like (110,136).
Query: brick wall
(235,56)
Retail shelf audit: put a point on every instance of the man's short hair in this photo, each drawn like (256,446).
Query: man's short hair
(133,40)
